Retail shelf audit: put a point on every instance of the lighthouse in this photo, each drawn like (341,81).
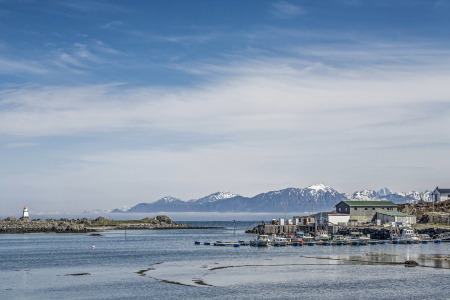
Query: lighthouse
(25,213)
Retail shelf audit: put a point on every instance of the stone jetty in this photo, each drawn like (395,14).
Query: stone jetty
(11,225)
(82,225)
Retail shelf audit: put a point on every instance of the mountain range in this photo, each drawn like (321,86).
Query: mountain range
(318,197)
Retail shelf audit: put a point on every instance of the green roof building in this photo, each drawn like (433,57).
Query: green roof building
(365,211)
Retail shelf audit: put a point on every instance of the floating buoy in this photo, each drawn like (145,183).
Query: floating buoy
(93,247)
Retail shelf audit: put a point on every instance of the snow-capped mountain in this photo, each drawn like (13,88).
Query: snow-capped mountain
(214,197)
(386,194)
(313,198)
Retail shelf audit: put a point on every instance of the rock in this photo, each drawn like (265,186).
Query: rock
(410,263)
(11,219)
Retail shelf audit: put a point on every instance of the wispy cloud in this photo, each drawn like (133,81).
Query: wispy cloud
(10,66)
(20,145)
(112,25)
(286,10)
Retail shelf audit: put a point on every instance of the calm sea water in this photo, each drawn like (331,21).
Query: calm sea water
(167,264)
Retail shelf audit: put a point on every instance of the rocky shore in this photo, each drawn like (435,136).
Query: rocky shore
(82,225)
(11,225)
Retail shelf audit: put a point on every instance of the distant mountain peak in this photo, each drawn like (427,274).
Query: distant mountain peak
(168,199)
(318,186)
(215,197)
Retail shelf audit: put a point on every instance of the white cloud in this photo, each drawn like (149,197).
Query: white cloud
(285,10)
(112,25)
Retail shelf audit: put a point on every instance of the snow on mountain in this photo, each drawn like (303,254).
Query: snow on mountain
(386,194)
(168,199)
(215,197)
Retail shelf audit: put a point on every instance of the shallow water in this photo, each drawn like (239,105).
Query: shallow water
(167,263)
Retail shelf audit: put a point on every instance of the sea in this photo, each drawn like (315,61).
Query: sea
(167,264)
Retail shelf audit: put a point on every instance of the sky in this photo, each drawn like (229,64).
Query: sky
(106,104)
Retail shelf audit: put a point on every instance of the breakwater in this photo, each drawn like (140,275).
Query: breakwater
(82,225)
(11,226)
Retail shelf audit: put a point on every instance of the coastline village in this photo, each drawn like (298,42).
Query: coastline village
(362,223)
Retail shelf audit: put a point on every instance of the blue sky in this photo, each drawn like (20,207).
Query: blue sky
(111,103)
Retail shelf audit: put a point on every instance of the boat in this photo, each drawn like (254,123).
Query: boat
(338,240)
(279,241)
(305,237)
(260,240)
(322,236)
(357,238)
(407,236)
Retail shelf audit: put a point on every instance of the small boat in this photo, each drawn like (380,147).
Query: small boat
(261,240)
(279,241)
(322,236)
(338,240)
(357,238)
(408,236)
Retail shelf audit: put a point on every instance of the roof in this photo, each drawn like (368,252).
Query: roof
(395,214)
(332,213)
(370,203)
(443,191)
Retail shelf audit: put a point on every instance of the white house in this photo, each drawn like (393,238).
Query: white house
(440,194)
(332,217)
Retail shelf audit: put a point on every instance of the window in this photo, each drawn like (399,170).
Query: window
(346,209)
(365,208)
(373,208)
(339,209)
(355,208)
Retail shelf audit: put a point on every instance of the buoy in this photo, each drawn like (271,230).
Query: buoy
(93,247)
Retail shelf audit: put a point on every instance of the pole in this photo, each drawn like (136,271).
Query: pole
(285,212)
(309,209)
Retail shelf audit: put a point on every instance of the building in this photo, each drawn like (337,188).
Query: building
(25,215)
(331,218)
(439,195)
(364,211)
(388,217)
